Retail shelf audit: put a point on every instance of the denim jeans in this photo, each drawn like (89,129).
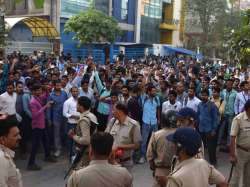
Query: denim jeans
(25,131)
(226,123)
(211,144)
(70,142)
(57,135)
(147,129)
(37,136)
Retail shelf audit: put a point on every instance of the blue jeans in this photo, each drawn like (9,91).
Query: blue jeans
(70,142)
(227,122)
(147,129)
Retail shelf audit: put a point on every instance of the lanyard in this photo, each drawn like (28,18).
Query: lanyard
(245,97)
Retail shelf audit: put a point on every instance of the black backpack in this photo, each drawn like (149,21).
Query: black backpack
(93,126)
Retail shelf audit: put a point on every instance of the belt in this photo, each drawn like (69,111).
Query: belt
(243,148)
(125,159)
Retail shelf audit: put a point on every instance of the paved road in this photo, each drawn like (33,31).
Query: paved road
(52,174)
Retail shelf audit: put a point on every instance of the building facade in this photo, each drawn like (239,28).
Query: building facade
(32,24)
(142,21)
(122,10)
(160,21)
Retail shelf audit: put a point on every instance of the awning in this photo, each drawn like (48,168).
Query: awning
(38,26)
(179,50)
(171,49)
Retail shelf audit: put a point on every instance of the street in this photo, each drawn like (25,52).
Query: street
(52,174)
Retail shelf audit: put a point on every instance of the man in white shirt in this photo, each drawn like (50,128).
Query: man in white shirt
(8,100)
(70,112)
(191,101)
(241,98)
(172,104)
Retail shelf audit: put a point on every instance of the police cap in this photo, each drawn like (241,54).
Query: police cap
(188,138)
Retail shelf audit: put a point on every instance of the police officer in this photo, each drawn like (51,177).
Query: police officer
(84,128)
(160,152)
(187,117)
(9,139)
(126,133)
(191,172)
(100,173)
(240,147)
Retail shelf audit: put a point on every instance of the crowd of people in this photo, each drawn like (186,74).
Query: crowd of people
(129,109)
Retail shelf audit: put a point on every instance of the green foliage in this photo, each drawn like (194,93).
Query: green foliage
(207,11)
(93,26)
(18,1)
(211,15)
(2,33)
(39,3)
(238,39)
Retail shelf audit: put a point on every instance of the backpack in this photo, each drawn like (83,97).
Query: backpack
(93,126)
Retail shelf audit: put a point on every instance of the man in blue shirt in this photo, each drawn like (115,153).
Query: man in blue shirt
(208,119)
(103,108)
(229,95)
(55,114)
(151,117)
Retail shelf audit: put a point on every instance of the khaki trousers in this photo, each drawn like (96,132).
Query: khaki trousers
(241,170)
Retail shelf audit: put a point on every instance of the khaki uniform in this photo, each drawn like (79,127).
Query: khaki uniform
(82,137)
(9,174)
(160,152)
(100,173)
(241,129)
(194,173)
(124,134)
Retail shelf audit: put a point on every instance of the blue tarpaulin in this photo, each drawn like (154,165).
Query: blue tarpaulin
(172,50)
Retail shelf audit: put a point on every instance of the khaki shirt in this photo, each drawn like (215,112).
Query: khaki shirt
(100,173)
(194,173)
(161,151)
(241,129)
(82,136)
(124,134)
(9,175)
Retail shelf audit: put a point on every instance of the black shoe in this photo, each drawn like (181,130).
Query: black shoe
(34,167)
(50,159)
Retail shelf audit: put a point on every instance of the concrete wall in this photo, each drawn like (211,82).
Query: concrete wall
(177,15)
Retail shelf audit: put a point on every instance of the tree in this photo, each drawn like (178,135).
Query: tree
(209,13)
(238,39)
(93,26)
(2,28)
